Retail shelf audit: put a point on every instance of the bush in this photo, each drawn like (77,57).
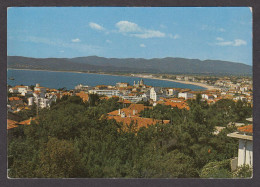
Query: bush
(216,170)
(244,171)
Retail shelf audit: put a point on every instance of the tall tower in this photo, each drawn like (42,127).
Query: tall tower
(141,82)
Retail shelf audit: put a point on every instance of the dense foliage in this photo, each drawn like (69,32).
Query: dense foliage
(74,139)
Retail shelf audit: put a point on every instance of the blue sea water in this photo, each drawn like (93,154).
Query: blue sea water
(70,80)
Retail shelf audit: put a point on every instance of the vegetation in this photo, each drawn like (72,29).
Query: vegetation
(74,139)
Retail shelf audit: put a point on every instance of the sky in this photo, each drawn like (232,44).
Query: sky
(217,33)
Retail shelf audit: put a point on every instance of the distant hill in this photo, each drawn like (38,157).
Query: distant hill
(131,65)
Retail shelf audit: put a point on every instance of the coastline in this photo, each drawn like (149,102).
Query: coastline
(207,87)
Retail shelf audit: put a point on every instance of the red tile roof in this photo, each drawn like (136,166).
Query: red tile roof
(246,129)
(132,110)
(84,96)
(139,121)
(27,122)
(14,98)
(177,102)
(11,124)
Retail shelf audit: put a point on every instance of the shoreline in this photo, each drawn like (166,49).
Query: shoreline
(207,87)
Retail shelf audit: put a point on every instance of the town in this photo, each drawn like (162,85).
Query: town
(21,97)
(138,99)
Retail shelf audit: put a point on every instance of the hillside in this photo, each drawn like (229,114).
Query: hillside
(131,65)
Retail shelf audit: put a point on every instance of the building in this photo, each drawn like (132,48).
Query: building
(156,93)
(11,124)
(185,95)
(172,92)
(82,87)
(130,118)
(207,96)
(40,88)
(84,96)
(179,103)
(106,92)
(245,148)
(122,85)
(132,98)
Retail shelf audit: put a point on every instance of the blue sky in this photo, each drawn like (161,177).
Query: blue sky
(219,33)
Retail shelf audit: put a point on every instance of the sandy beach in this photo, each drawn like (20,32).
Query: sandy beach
(208,87)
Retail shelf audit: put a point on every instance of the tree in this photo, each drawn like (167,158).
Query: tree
(93,99)
(60,159)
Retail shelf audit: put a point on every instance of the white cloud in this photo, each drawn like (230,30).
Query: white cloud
(142,45)
(239,42)
(132,29)
(96,26)
(149,34)
(75,40)
(126,26)
(108,41)
(235,43)
(219,39)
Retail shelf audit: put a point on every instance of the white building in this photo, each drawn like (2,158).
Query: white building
(155,94)
(133,99)
(207,96)
(108,93)
(171,92)
(81,87)
(40,89)
(245,148)
(122,84)
(185,95)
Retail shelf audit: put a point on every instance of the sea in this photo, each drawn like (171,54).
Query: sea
(69,80)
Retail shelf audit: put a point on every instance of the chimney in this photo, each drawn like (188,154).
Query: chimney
(119,111)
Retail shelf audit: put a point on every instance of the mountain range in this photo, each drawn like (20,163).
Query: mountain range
(167,65)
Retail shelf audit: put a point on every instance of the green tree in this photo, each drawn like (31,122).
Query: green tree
(60,159)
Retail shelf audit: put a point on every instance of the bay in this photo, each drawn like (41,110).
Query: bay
(69,80)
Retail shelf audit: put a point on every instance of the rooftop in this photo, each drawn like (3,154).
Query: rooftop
(11,124)
(240,136)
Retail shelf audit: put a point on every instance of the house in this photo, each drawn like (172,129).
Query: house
(175,102)
(172,92)
(107,92)
(18,89)
(137,122)
(245,149)
(156,93)
(122,84)
(132,110)
(84,96)
(208,96)
(82,87)
(27,122)
(185,95)
(130,115)
(132,98)
(11,124)
(40,89)
(15,102)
